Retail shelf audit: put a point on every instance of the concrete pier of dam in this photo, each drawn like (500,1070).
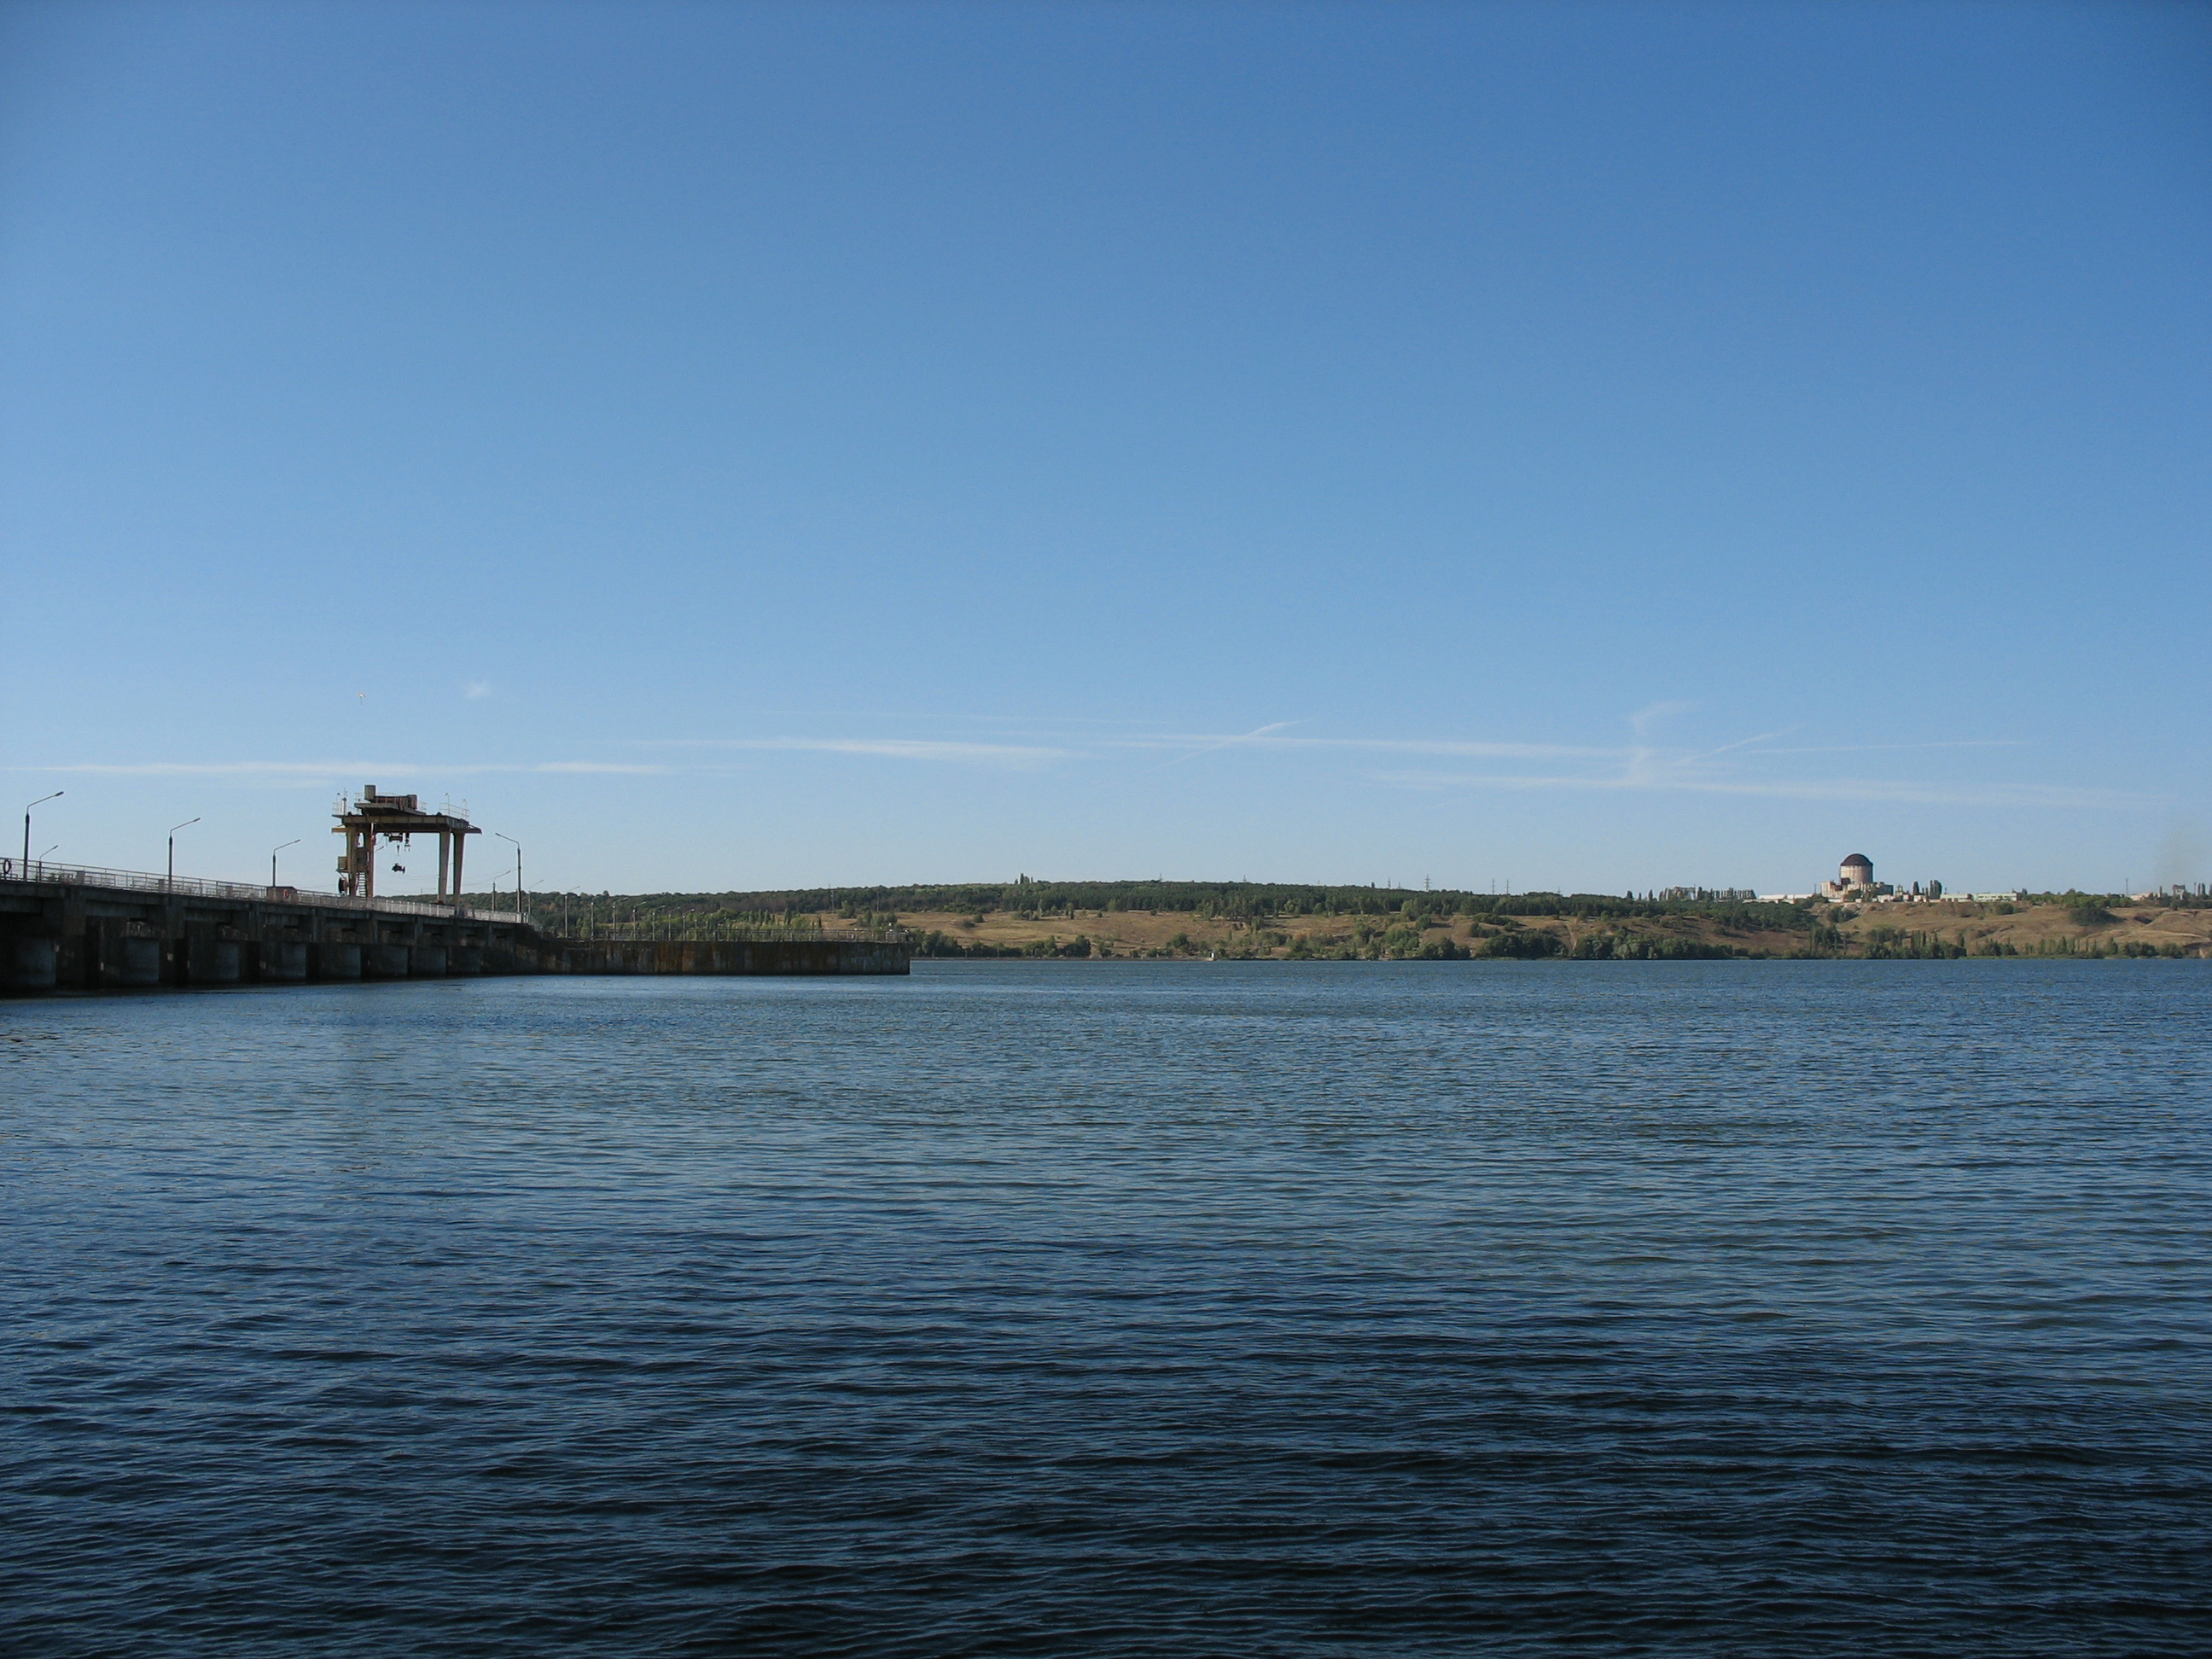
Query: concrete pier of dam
(118,930)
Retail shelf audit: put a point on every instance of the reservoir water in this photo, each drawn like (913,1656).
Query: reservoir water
(1192,1308)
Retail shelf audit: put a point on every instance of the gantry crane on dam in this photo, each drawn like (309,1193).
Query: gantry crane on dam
(394,820)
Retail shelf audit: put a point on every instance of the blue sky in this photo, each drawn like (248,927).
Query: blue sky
(1583,446)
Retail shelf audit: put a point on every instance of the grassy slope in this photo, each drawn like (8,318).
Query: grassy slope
(2033,926)
(1979,926)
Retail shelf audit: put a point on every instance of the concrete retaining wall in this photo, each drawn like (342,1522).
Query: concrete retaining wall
(28,964)
(208,961)
(386,961)
(334,962)
(128,964)
(281,962)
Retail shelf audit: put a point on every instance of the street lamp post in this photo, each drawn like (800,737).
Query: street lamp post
(516,845)
(173,827)
(41,801)
(273,852)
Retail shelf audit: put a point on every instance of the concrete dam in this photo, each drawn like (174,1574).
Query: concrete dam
(113,930)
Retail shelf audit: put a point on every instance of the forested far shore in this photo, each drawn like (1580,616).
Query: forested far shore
(1259,920)
(1235,899)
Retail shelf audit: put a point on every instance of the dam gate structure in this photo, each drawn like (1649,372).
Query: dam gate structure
(395,819)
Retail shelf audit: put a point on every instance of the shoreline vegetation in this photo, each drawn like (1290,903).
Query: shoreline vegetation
(1281,921)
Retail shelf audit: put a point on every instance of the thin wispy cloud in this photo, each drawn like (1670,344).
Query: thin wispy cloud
(1644,721)
(1727,768)
(1265,738)
(1655,767)
(1744,743)
(329,768)
(1873,748)
(1851,789)
(1258,734)
(909,748)
(939,717)
(475,688)
(1744,767)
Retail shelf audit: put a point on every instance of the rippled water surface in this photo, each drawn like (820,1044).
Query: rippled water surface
(1755,1308)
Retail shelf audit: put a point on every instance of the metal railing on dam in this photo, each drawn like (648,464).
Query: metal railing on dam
(42,873)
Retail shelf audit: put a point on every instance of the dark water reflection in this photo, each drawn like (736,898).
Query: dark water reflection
(1206,1309)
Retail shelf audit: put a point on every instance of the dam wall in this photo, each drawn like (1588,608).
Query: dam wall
(81,930)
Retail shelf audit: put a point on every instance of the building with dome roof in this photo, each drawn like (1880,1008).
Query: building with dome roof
(1854,880)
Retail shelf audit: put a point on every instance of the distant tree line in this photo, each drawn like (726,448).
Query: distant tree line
(936,943)
(1230,901)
